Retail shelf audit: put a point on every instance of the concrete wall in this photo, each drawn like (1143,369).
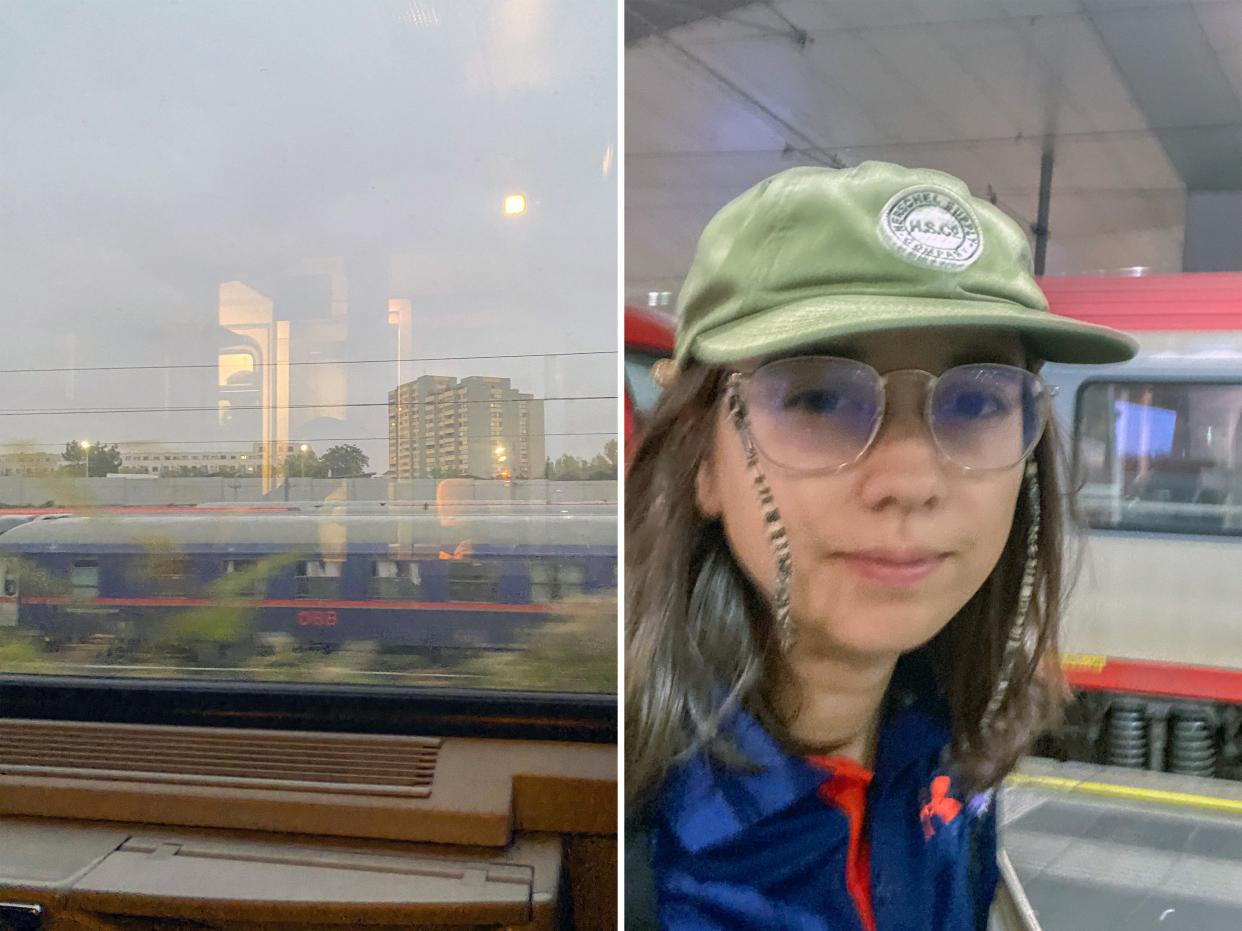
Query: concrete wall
(1212,242)
(59,491)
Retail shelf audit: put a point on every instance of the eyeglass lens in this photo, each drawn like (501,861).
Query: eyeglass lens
(819,413)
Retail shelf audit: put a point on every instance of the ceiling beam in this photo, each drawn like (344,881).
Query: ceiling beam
(645,18)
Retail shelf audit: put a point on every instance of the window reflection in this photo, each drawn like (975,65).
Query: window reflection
(1163,456)
(296,335)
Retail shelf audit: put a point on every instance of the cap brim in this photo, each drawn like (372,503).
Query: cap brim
(803,324)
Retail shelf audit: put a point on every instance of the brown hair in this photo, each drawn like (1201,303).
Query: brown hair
(699,640)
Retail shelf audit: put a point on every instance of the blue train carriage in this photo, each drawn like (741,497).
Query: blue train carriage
(398,581)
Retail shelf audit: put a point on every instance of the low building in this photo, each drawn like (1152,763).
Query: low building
(163,459)
(30,463)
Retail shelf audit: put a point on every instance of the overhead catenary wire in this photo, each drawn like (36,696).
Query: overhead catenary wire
(810,149)
(59,411)
(159,366)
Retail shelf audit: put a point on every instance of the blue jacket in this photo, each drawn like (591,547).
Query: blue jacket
(761,850)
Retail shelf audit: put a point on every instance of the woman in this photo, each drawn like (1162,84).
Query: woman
(843,557)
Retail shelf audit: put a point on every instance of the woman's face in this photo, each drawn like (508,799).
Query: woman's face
(887,550)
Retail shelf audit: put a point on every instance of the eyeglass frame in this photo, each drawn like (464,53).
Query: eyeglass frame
(735,397)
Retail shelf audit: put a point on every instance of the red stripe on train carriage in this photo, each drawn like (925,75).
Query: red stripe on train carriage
(295,603)
(129,509)
(1147,677)
(1194,301)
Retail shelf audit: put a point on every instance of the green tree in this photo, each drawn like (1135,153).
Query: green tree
(601,466)
(103,458)
(305,465)
(568,468)
(346,461)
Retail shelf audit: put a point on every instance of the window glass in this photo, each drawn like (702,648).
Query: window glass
(474,580)
(285,324)
(172,575)
(395,580)
(644,392)
(243,578)
(1162,456)
(9,573)
(84,578)
(318,578)
(552,581)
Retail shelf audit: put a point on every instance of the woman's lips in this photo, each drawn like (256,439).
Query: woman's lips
(892,568)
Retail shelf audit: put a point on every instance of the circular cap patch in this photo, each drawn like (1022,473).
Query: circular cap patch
(932,227)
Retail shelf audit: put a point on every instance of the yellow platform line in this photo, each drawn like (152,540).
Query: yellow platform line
(1131,793)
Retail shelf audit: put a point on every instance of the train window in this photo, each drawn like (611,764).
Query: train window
(251,382)
(395,580)
(173,576)
(1161,456)
(318,578)
(474,580)
(243,578)
(84,578)
(9,569)
(552,581)
(644,392)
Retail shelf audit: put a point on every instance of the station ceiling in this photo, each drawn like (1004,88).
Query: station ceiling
(1139,101)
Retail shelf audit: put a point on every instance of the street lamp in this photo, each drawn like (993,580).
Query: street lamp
(85,446)
(515,205)
(305,449)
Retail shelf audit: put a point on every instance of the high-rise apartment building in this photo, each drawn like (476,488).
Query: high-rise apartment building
(479,426)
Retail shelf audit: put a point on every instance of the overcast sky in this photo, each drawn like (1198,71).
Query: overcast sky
(328,155)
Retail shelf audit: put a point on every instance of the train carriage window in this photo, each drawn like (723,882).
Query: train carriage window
(638,381)
(553,581)
(173,576)
(1160,456)
(474,580)
(84,578)
(318,578)
(394,580)
(241,578)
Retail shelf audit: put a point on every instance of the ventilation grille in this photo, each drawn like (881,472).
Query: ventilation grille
(358,765)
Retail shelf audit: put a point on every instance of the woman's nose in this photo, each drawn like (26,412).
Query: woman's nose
(904,468)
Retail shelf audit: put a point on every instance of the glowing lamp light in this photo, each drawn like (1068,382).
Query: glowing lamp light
(515,205)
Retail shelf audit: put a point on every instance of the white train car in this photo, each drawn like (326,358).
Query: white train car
(1153,627)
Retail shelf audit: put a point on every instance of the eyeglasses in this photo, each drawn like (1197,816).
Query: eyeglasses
(822,413)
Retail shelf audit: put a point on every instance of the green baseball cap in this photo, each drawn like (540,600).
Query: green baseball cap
(815,254)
